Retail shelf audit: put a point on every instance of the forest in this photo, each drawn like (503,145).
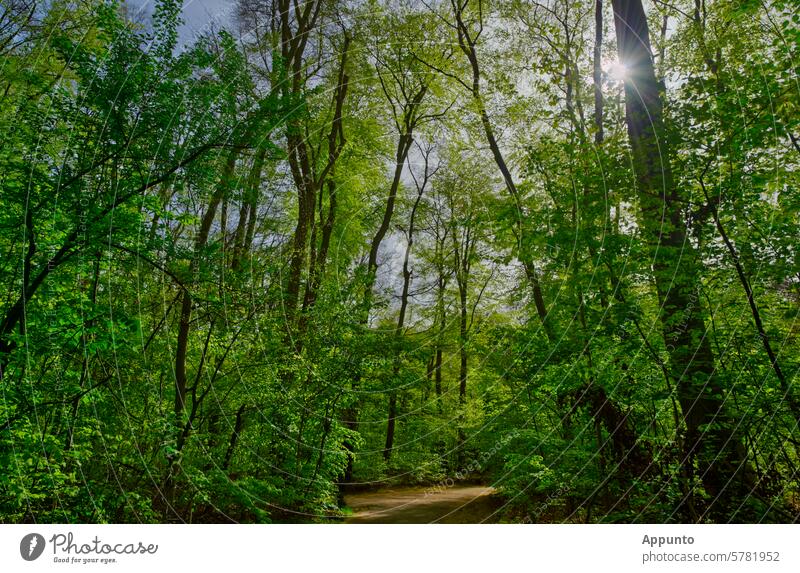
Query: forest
(327,247)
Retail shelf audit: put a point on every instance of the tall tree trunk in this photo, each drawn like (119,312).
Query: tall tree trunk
(707,441)
(237,429)
(462,367)
(441,315)
(401,318)
(306,203)
(437,374)
(598,71)
(467,41)
(462,251)
(307,177)
(321,257)
(184,322)
(462,339)
(410,118)
(403,146)
(248,209)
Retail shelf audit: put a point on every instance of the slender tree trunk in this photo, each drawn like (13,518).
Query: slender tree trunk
(321,258)
(406,126)
(237,429)
(598,71)
(403,146)
(306,202)
(307,178)
(184,321)
(392,417)
(437,375)
(462,340)
(755,312)
(248,209)
(184,324)
(467,42)
(463,252)
(76,401)
(441,317)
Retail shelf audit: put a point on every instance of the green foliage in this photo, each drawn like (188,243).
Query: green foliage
(156,199)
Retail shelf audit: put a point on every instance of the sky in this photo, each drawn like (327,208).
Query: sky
(197,14)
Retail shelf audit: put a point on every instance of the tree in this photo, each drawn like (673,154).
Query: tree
(676,268)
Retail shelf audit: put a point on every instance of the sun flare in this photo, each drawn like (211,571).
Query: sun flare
(615,70)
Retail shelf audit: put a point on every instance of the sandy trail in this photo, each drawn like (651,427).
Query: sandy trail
(457,504)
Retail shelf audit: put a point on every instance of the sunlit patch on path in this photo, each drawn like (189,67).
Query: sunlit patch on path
(461,504)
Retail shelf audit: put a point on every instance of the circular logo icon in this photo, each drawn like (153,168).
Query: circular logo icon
(31,546)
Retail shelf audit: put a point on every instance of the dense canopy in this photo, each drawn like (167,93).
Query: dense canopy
(329,245)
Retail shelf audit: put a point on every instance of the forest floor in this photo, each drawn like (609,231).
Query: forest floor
(457,504)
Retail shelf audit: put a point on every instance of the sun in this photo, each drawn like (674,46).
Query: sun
(615,70)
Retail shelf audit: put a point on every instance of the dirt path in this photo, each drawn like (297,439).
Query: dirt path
(457,504)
